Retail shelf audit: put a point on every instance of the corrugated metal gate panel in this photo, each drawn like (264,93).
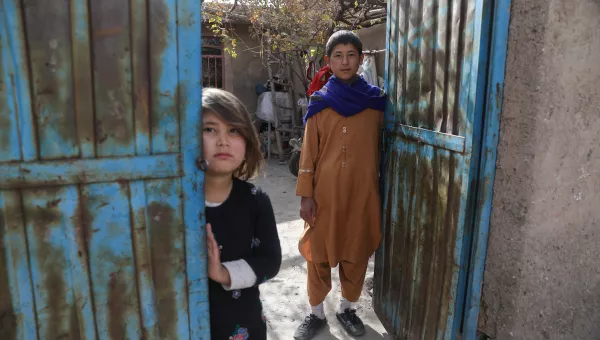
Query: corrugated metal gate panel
(431,77)
(100,212)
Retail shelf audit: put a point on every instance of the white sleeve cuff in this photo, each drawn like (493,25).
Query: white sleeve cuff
(241,274)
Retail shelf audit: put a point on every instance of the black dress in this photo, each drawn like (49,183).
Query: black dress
(244,227)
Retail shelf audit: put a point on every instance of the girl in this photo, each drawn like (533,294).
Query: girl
(243,244)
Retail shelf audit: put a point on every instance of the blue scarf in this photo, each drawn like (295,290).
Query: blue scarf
(346,100)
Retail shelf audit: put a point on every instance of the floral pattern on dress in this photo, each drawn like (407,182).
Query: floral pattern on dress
(255,243)
(240,333)
(237,294)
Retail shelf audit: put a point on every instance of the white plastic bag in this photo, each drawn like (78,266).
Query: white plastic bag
(369,70)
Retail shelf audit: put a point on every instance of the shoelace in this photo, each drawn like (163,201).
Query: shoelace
(352,315)
(308,321)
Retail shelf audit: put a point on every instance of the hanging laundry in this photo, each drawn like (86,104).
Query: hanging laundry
(319,80)
(369,71)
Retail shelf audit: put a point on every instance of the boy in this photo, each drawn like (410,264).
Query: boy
(338,183)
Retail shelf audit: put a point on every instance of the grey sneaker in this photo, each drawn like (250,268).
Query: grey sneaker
(309,327)
(351,323)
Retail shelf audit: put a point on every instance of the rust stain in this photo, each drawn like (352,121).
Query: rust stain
(416,304)
(424,242)
(8,318)
(43,216)
(390,184)
(163,233)
(108,32)
(117,297)
(160,38)
(84,177)
(143,263)
(46,91)
(49,51)
(83,100)
(53,203)
(75,333)
(123,184)
(81,221)
(440,197)
(86,217)
(103,136)
(54,285)
(45,219)
(6,122)
(4,111)
(498,95)
(140,73)
(187,19)
(111,62)
(405,239)
(141,110)
(450,225)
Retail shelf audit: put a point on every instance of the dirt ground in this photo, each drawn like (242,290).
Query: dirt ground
(284,298)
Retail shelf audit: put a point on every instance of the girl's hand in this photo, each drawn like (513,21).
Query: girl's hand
(216,271)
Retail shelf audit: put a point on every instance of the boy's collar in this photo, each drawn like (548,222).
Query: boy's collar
(350,81)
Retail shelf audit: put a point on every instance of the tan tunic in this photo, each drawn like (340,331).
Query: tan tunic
(339,168)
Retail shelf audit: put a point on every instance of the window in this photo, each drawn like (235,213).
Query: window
(212,62)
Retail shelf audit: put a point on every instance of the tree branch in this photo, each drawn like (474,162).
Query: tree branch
(233,7)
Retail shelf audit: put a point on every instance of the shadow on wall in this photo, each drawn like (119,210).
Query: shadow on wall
(374,38)
(513,187)
(541,278)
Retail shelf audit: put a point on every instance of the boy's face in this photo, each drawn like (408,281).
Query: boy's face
(344,61)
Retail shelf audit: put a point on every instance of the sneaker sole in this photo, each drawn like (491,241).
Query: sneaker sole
(359,333)
(316,332)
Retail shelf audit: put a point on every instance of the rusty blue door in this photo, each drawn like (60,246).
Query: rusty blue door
(101,202)
(436,80)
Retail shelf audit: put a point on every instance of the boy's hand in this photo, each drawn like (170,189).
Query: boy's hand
(216,271)
(308,210)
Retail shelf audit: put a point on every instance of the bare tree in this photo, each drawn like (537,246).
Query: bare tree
(289,30)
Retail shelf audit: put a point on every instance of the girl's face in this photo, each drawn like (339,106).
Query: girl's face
(223,146)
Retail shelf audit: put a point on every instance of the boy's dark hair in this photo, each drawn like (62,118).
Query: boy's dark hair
(231,110)
(342,38)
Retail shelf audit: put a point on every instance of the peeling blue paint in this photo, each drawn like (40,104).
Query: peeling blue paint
(102,221)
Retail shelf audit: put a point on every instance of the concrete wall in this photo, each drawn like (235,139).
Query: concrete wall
(373,38)
(245,71)
(542,278)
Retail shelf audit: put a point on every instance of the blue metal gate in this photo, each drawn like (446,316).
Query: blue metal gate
(436,78)
(101,201)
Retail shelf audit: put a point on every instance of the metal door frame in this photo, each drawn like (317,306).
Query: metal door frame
(497,14)
(182,164)
(492,36)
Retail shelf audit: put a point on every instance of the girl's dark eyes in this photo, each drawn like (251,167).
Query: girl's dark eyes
(232,130)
